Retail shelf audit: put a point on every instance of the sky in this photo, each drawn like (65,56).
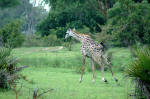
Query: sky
(38,2)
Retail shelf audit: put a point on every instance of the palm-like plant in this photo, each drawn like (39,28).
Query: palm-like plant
(5,66)
(139,71)
(8,68)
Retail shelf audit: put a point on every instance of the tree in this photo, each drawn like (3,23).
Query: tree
(11,34)
(26,12)
(102,6)
(8,3)
(70,13)
(129,22)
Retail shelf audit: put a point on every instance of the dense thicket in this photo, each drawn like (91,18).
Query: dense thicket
(11,34)
(8,3)
(73,14)
(127,22)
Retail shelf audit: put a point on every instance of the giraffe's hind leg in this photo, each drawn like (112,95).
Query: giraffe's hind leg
(102,70)
(99,61)
(109,65)
(93,70)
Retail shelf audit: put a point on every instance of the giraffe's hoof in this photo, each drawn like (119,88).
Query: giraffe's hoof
(105,81)
(93,81)
(80,81)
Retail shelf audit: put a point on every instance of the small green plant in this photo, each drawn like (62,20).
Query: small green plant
(139,71)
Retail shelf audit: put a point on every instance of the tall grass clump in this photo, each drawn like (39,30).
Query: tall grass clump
(139,71)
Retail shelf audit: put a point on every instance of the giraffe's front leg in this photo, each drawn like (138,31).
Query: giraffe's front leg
(83,68)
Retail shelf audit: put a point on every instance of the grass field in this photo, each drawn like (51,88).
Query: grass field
(58,69)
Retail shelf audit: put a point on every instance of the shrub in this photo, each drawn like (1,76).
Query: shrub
(51,40)
(38,41)
(11,34)
(32,40)
(8,68)
(129,22)
(139,71)
(68,45)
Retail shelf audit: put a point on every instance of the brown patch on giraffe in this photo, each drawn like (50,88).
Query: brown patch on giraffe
(81,33)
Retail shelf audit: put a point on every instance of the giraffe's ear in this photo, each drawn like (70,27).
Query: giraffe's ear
(69,29)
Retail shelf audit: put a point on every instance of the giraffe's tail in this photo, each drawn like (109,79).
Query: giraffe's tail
(109,56)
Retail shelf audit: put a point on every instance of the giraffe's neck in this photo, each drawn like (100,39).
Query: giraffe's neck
(78,36)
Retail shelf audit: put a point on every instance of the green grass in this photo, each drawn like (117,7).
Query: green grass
(66,86)
(52,57)
(58,69)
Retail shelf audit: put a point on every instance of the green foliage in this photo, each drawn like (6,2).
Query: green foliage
(129,22)
(8,3)
(104,37)
(9,69)
(37,41)
(140,68)
(139,71)
(70,14)
(51,40)
(32,40)
(7,65)
(11,34)
(4,53)
(24,11)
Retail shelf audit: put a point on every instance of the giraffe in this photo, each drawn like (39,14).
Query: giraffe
(92,50)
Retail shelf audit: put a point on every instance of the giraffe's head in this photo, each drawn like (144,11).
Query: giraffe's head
(69,33)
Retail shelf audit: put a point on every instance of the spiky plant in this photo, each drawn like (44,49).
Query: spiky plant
(4,66)
(139,71)
(8,68)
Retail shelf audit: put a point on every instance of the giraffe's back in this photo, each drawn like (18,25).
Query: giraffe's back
(90,48)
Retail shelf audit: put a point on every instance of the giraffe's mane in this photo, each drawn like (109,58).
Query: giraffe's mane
(81,33)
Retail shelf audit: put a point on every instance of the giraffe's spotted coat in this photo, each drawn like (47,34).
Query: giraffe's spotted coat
(90,49)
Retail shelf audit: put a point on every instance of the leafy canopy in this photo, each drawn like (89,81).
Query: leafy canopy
(70,13)
(8,3)
(11,34)
(129,22)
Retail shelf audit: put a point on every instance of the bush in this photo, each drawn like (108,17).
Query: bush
(139,71)
(37,41)
(11,34)
(8,68)
(129,22)
(5,66)
(51,40)
(32,40)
